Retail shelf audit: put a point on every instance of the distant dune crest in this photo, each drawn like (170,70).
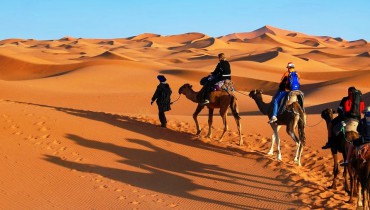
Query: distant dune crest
(258,49)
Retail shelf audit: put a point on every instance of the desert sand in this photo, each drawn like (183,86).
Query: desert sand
(78,130)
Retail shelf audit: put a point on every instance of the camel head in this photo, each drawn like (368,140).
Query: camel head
(327,113)
(184,88)
(256,94)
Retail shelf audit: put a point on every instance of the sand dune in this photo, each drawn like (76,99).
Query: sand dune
(77,124)
(114,56)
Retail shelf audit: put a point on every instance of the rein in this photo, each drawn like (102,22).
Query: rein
(315,124)
(176,99)
(241,93)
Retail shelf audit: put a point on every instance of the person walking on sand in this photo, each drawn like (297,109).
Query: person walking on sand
(162,96)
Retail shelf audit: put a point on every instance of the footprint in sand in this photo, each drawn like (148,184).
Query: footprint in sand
(172,205)
(31,138)
(62,148)
(103,187)
(56,142)
(17,133)
(40,123)
(135,202)
(122,197)
(14,127)
(44,129)
(79,159)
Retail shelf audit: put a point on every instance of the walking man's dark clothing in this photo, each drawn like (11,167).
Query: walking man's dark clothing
(162,96)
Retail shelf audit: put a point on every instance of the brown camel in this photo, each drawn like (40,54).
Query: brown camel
(218,99)
(338,144)
(293,117)
(359,170)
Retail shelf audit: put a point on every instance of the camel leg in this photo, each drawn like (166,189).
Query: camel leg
(346,175)
(223,113)
(359,194)
(210,121)
(234,110)
(239,131)
(279,157)
(224,120)
(290,130)
(335,172)
(273,138)
(364,197)
(277,139)
(195,117)
(299,154)
(271,151)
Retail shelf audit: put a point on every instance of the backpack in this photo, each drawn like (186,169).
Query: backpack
(355,106)
(294,81)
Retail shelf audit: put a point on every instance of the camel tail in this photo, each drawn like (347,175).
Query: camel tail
(234,108)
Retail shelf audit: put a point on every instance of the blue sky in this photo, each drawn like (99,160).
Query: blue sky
(52,19)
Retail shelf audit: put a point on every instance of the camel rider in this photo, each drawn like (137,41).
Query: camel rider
(363,129)
(221,72)
(344,113)
(284,87)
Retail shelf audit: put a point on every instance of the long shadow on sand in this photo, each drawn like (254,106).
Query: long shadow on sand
(165,176)
(148,129)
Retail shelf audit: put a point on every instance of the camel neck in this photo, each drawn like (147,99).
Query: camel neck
(262,106)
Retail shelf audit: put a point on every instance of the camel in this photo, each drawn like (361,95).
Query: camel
(293,117)
(359,170)
(218,99)
(338,145)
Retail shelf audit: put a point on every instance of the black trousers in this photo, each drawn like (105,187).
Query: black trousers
(162,118)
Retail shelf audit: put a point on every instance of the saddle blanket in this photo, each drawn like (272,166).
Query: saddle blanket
(349,125)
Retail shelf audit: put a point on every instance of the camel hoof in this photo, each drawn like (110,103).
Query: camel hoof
(279,157)
(270,153)
(297,162)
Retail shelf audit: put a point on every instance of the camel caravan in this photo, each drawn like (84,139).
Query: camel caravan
(348,133)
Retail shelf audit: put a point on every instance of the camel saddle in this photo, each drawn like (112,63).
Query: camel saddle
(347,125)
(226,85)
(291,97)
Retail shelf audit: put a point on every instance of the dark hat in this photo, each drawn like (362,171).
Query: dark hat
(351,89)
(161,78)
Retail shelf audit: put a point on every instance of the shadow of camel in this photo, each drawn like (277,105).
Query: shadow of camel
(166,170)
(145,128)
(164,176)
